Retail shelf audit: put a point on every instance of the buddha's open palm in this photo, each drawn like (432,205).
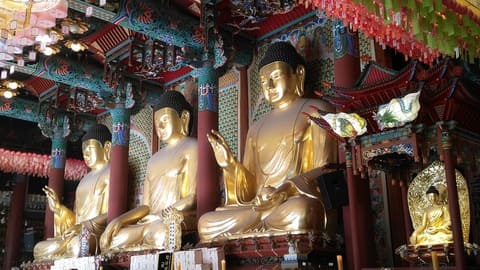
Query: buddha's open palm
(220,147)
(52,199)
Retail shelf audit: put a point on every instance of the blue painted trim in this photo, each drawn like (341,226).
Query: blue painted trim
(20,109)
(179,78)
(288,25)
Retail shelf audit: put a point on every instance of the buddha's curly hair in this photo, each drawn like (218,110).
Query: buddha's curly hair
(98,132)
(282,51)
(175,100)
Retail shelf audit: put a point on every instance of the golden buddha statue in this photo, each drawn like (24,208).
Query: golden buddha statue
(436,224)
(91,201)
(274,191)
(427,202)
(170,182)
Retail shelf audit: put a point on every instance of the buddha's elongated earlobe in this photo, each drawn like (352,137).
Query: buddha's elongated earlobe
(300,74)
(185,117)
(107,147)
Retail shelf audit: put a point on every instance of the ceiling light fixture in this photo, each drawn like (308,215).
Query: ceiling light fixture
(75,26)
(48,50)
(8,93)
(12,84)
(22,21)
(76,45)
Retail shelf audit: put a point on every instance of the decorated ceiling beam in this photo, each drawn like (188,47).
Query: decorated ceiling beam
(422,30)
(31,111)
(166,25)
(66,72)
(20,109)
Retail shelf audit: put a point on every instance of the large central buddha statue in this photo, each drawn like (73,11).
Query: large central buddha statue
(91,201)
(274,190)
(169,186)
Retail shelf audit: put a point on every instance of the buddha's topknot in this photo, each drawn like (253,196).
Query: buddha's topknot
(98,132)
(282,51)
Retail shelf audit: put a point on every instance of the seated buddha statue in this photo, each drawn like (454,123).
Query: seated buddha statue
(274,190)
(170,182)
(91,201)
(435,227)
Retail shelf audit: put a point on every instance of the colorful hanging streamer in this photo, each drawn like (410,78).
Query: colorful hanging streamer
(420,29)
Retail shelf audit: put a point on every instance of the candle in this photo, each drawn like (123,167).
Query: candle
(339,262)
(224,265)
(435,263)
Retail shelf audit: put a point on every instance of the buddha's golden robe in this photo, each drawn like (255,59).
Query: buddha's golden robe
(91,206)
(170,181)
(280,150)
(437,227)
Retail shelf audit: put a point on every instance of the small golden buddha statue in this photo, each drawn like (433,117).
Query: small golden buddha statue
(91,201)
(274,191)
(170,182)
(428,206)
(436,225)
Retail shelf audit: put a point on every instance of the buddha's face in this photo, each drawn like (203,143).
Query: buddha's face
(94,153)
(279,83)
(168,124)
(432,198)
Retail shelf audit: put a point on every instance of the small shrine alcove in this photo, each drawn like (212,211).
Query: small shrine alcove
(414,118)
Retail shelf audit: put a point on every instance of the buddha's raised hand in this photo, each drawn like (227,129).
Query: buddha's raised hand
(222,151)
(52,199)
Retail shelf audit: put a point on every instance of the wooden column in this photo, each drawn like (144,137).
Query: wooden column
(117,198)
(208,186)
(154,141)
(406,215)
(243,112)
(55,178)
(453,206)
(346,67)
(15,223)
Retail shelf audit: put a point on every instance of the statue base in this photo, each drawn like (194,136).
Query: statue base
(422,254)
(290,251)
(43,265)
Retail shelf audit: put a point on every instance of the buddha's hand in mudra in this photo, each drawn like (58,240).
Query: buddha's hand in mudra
(72,231)
(110,231)
(267,198)
(165,213)
(441,229)
(52,199)
(413,239)
(222,151)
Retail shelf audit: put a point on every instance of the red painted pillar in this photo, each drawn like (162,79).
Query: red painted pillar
(243,111)
(346,64)
(406,216)
(346,72)
(117,198)
(208,187)
(155,145)
(453,205)
(15,223)
(55,178)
